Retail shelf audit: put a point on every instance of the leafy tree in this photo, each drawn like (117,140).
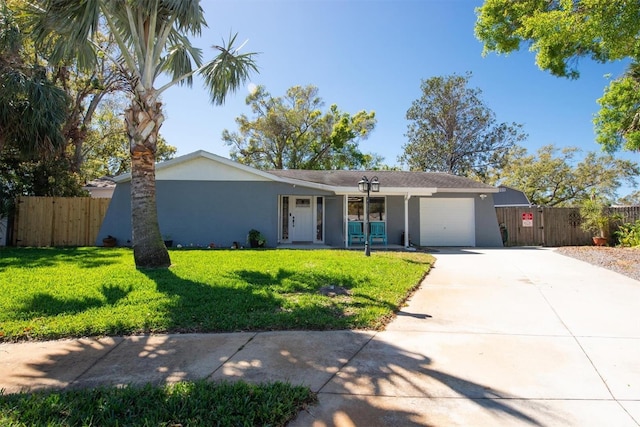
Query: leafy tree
(87,90)
(45,110)
(33,112)
(292,132)
(34,176)
(32,108)
(563,32)
(632,199)
(554,177)
(618,121)
(451,130)
(152,40)
(64,82)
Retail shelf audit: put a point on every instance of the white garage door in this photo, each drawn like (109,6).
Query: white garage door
(447,222)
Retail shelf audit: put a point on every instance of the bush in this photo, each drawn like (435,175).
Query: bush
(629,234)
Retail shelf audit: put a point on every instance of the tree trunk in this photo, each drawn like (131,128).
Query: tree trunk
(144,119)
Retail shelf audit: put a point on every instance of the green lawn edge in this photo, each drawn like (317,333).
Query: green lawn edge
(196,403)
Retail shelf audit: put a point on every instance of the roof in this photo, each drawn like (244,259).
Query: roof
(337,181)
(508,196)
(393,179)
(102,182)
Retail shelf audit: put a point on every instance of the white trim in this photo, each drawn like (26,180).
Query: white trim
(390,191)
(280,213)
(406,220)
(345,220)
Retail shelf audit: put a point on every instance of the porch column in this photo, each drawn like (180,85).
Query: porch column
(345,219)
(406,220)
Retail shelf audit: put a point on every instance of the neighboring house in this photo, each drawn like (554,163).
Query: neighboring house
(203,198)
(101,187)
(508,197)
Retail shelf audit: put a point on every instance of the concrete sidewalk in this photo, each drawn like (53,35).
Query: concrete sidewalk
(496,337)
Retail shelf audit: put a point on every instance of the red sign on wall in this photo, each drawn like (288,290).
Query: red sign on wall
(527,219)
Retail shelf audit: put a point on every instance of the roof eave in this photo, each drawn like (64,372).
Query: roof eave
(469,190)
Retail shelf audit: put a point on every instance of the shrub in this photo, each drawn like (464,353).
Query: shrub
(629,234)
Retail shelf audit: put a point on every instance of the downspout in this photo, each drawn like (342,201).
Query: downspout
(406,220)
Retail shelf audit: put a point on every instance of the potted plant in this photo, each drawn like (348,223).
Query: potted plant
(596,219)
(109,241)
(256,239)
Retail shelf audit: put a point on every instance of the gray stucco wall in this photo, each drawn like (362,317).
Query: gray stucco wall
(202,212)
(414,220)
(487,227)
(334,226)
(395,219)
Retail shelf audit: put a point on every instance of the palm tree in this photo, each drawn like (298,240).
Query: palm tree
(152,38)
(32,108)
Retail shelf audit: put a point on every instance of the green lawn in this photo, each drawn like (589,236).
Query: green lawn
(197,403)
(54,293)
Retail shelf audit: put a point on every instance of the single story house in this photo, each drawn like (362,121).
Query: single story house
(203,198)
(102,187)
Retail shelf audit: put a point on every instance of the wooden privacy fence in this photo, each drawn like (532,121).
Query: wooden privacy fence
(538,226)
(58,221)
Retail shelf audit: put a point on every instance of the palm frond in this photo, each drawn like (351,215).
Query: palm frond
(178,63)
(189,16)
(227,71)
(32,111)
(176,38)
(66,27)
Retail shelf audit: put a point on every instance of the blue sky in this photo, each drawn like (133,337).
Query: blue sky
(372,55)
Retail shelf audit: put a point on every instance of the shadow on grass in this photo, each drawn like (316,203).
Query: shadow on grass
(85,257)
(48,305)
(294,281)
(258,305)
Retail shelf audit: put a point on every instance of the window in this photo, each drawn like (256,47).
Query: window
(303,203)
(377,209)
(285,218)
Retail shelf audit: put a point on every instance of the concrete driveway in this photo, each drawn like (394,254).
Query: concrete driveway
(499,337)
(493,337)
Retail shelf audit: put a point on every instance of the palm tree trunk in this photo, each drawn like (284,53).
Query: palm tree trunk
(144,119)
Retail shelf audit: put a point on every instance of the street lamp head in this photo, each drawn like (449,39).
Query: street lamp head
(363,185)
(375,184)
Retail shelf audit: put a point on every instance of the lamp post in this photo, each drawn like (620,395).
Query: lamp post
(366,186)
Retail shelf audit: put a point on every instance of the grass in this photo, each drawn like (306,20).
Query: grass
(54,293)
(198,403)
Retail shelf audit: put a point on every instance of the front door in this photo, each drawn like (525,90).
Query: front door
(301,219)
